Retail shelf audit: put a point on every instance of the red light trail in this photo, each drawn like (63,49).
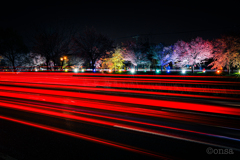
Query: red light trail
(65,96)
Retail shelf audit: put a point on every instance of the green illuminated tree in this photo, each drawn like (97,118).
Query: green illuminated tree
(116,61)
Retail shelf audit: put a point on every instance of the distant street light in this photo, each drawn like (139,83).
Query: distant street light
(61,59)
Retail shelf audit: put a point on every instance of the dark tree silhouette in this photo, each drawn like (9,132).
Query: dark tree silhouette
(52,44)
(12,47)
(92,45)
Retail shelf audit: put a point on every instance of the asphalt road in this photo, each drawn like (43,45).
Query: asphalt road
(97,116)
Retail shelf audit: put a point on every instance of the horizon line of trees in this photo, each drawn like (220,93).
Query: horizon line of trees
(98,51)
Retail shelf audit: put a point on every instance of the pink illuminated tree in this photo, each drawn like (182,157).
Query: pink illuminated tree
(134,53)
(226,53)
(193,53)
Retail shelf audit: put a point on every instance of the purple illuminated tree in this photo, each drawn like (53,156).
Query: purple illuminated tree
(163,55)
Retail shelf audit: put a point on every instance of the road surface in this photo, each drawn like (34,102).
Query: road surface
(51,115)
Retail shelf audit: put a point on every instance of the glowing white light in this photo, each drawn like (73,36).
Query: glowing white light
(109,70)
(75,70)
(82,70)
(132,70)
(157,71)
(168,71)
(183,71)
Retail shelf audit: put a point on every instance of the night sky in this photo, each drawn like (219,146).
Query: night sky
(161,21)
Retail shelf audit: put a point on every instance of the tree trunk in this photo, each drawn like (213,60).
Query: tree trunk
(13,65)
(192,68)
(229,70)
(161,68)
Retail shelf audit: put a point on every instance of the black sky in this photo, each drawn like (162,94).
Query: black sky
(165,21)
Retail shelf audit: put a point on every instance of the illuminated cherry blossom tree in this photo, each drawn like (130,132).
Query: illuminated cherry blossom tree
(135,54)
(193,53)
(163,55)
(226,53)
(37,59)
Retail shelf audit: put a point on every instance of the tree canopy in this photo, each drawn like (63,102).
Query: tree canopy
(12,47)
(92,45)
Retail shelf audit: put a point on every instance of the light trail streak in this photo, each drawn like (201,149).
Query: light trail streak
(77,88)
(70,110)
(172,115)
(95,105)
(175,137)
(74,101)
(125,85)
(141,101)
(86,137)
(109,75)
(107,123)
(159,80)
